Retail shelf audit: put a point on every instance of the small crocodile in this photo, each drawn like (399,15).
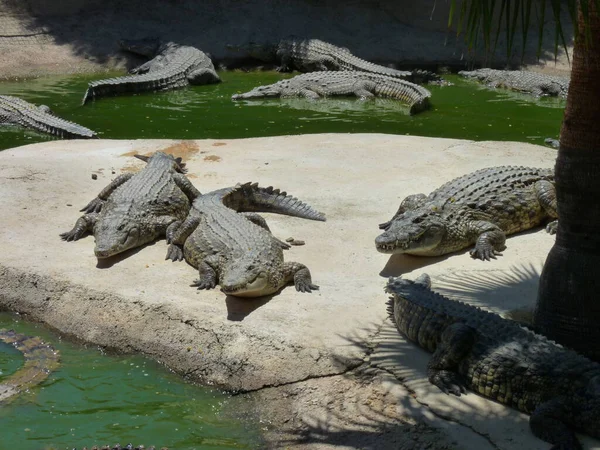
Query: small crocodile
(137,208)
(361,84)
(501,360)
(16,111)
(479,208)
(232,246)
(40,361)
(537,84)
(172,66)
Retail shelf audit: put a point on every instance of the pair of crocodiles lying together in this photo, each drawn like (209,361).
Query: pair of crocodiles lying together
(332,71)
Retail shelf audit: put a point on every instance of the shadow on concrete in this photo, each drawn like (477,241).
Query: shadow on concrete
(107,263)
(400,264)
(239,308)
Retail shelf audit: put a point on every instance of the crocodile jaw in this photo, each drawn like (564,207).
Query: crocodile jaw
(114,241)
(258,287)
(396,242)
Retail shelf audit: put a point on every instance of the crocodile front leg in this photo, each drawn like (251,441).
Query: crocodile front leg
(259,220)
(545,192)
(490,240)
(299,273)
(456,342)
(83,225)
(207,273)
(186,186)
(546,424)
(96,204)
(203,76)
(177,233)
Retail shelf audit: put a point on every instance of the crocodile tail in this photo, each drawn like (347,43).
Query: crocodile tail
(249,197)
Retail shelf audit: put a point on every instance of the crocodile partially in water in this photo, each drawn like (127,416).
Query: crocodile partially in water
(538,84)
(137,208)
(172,66)
(328,84)
(232,246)
(15,111)
(501,360)
(479,208)
(41,359)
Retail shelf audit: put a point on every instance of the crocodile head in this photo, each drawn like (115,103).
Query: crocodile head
(246,278)
(416,232)
(146,47)
(259,92)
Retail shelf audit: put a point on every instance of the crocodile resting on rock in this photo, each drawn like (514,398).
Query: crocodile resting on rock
(361,84)
(232,246)
(172,66)
(15,111)
(40,360)
(137,208)
(314,55)
(479,208)
(537,84)
(499,359)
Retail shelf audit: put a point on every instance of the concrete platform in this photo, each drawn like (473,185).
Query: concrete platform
(141,303)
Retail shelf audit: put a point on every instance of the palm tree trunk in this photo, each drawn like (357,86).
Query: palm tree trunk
(568,306)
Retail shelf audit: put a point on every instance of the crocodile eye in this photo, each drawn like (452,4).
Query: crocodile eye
(251,267)
(417,220)
(120,227)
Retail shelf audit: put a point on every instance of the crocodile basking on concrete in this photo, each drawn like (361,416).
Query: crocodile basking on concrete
(172,66)
(479,208)
(14,111)
(499,359)
(537,84)
(327,84)
(314,55)
(137,208)
(40,360)
(232,246)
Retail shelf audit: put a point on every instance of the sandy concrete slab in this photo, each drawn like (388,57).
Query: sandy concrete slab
(142,303)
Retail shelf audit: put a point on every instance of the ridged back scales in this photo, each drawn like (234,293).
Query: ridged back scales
(508,363)
(521,80)
(20,112)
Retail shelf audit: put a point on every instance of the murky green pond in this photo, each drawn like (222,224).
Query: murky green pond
(94,398)
(464,110)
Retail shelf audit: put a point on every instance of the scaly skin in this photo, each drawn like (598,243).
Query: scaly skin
(15,111)
(232,246)
(40,361)
(115,447)
(314,55)
(498,359)
(537,84)
(135,209)
(479,208)
(327,84)
(173,66)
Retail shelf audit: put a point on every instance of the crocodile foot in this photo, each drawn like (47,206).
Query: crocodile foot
(448,382)
(552,227)
(174,253)
(486,252)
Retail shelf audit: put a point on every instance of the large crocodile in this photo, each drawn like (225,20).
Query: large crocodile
(479,208)
(361,84)
(118,447)
(237,251)
(172,66)
(537,84)
(137,208)
(16,111)
(311,55)
(501,360)
(40,360)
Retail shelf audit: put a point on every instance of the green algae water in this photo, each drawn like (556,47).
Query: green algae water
(465,111)
(94,398)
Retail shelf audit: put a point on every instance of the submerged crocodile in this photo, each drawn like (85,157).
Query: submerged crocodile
(499,359)
(40,360)
(15,111)
(479,208)
(361,84)
(313,55)
(232,246)
(537,84)
(172,66)
(137,208)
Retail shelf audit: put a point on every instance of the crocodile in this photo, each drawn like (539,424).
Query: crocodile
(501,360)
(314,55)
(137,208)
(232,246)
(16,111)
(538,84)
(119,447)
(172,66)
(479,208)
(361,84)
(41,359)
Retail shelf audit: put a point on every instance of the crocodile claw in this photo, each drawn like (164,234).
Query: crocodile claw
(93,206)
(552,227)
(174,253)
(203,284)
(302,286)
(449,382)
(486,253)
